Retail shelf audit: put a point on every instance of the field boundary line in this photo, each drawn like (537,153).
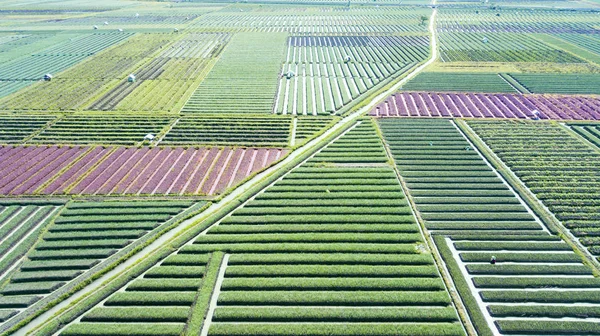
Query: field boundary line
(214,296)
(441,266)
(43,128)
(293,133)
(475,292)
(540,209)
(163,133)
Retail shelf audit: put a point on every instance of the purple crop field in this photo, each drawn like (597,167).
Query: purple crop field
(53,170)
(499,106)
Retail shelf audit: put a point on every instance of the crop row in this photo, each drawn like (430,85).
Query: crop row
(499,47)
(573,83)
(322,74)
(60,57)
(476,105)
(244,79)
(15,129)
(556,165)
(78,240)
(360,22)
(528,259)
(459,81)
(483,20)
(73,88)
(122,170)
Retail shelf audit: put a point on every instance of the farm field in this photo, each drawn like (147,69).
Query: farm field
(299,168)
(306,254)
(559,167)
(473,216)
(493,106)
(83,170)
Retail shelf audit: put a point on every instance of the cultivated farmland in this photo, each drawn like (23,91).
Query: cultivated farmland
(299,168)
(83,240)
(54,170)
(475,216)
(557,166)
(333,249)
(496,106)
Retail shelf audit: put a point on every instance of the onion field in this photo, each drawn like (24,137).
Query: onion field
(299,168)
(494,106)
(79,170)
(322,74)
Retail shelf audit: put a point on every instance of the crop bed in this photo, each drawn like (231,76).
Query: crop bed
(590,132)
(459,82)
(26,70)
(168,78)
(128,170)
(244,79)
(96,129)
(82,237)
(499,47)
(535,286)
(218,130)
(15,129)
(360,21)
(583,83)
(496,106)
(74,88)
(328,250)
(329,72)
(557,166)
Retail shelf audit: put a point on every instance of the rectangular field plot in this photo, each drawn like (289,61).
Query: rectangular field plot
(536,282)
(128,170)
(496,106)
(26,70)
(515,21)
(461,82)
(557,166)
(499,47)
(590,132)
(322,74)
(15,129)
(559,83)
(74,88)
(244,79)
(95,129)
(84,239)
(164,81)
(217,130)
(360,21)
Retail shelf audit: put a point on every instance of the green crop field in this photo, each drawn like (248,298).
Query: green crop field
(299,167)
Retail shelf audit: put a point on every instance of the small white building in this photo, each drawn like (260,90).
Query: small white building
(149,137)
(131,78)
(47,77)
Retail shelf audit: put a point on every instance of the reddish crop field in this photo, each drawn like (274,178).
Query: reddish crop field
(128,170)
(499,106)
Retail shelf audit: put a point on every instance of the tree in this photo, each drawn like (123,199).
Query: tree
(424,19)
